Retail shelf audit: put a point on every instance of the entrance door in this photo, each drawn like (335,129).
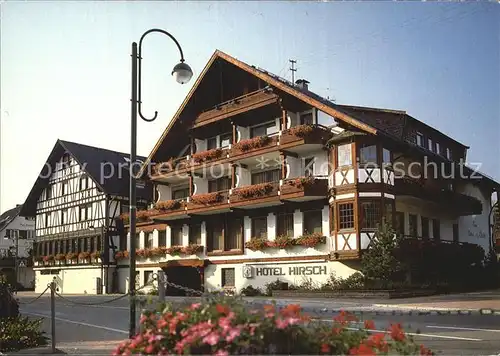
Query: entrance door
(187,277)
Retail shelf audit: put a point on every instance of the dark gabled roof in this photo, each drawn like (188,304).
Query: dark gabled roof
(9,215)
(108,169)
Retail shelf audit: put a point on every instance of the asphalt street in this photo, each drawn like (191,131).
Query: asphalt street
(77,322)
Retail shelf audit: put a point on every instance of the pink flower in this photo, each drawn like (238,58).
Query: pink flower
(143,319)
(281,323)
(233,334)
(149,349)
(211,338)
(195,306)
(221,353)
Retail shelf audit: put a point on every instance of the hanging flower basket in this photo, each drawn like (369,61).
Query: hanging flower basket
(121,255)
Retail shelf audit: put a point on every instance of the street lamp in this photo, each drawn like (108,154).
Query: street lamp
(182,74)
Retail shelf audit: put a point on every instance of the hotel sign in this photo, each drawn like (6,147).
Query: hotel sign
(276,271)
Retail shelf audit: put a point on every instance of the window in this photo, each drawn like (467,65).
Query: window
(65,160)
(412,222)
(226,139)
(420,139)
(195,234)
(228,277)
(285,224)
(438,148)
(388,213)
(400,223)
(266,176)
(233,238)
(425,227)
(85,212)
(148,277)
(137,240)
(180,193)
(47,219)
(65,187)
(259,227)
(92,244)
(456,236)
(344,155)
(309,166)
(219,184)
(436,229)
(162,238)
(431,148)
(448,153)
(267,129)
(176,235)
(89,212)
(313,222)
(83,183)
(64,217)
(386,156)
(123,243)
(346,216)
(212,143)
(148,242)
(306,118)
(215,235)
(48,192)
(370,214)
(368,154)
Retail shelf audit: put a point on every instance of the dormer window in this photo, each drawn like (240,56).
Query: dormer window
(431,148)
(438,148)
(448,153)
(420,139)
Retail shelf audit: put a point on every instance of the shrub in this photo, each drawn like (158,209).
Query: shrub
(250,291)
(224,326)
(9,307)
(21,333)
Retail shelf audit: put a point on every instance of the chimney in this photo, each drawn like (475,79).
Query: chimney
(302,84)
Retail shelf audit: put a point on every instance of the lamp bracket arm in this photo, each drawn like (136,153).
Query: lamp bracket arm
(139,58)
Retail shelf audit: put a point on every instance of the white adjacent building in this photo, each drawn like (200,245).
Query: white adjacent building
(76,201)
(16,242)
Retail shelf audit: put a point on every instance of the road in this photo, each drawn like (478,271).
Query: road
(446,334)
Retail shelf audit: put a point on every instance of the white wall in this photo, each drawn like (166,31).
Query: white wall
(164,192)
(243,177)
(18,223)
(475,228)
(70,280)
(200,185)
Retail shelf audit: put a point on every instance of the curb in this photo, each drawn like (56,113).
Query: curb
(45,350)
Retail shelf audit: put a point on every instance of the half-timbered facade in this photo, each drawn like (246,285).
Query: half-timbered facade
(258,179)
(76,201)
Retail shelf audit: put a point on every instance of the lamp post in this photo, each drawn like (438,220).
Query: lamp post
(182,73)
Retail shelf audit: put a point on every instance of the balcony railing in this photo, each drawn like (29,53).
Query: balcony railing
(305,186)
(295,136)
(253,192)
(208,200)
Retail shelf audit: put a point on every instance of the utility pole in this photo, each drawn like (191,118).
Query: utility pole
(293,69)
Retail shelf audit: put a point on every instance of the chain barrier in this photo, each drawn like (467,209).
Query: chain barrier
(35,299)
(102,302)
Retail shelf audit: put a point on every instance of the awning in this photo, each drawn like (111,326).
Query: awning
(183,263)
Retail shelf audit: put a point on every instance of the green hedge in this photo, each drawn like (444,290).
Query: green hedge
(21,333)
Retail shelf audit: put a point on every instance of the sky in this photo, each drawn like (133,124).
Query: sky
(65,67)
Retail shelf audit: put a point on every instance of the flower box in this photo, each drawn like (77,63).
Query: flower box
(166,205)
(309,186)
(207,199)
(253,144)
(255,191)
(304,134)
(208,156)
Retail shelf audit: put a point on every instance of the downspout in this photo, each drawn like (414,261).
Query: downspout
(105,247)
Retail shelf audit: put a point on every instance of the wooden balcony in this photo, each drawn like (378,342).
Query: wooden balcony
(304,135)
(208,202)
(236,106)
(459,203)
(253,146)
(255,194)
(303,188)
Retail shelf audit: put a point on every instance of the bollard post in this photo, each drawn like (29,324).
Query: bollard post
(161,286)
(53,313)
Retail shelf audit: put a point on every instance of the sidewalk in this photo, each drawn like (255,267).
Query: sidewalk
(73,348)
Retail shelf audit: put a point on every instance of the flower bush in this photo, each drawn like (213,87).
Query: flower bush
(300,182)
(96,254)
(70,256)
(207,198)
(192,249)
(120,255)
(225,326)
(307,240)
(60,257)
(48,258)
(84,255)
(169,205)
(253,191)
(207,156)
(301,130)
(175,250)
(19,332)
(252,143)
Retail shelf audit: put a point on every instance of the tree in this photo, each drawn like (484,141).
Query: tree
(380,262)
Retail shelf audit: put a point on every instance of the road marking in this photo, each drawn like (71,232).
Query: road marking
(81,323)
(460,328)
(413,334)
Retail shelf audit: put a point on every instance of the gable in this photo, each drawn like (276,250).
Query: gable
(225,78)
(107,169)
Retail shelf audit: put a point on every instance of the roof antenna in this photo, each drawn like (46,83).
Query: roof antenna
(293,70)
